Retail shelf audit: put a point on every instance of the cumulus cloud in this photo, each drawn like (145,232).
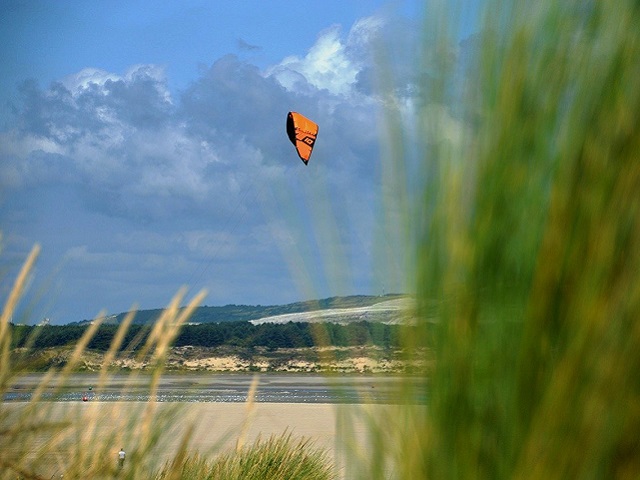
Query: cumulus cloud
(326,66)
(125,131)
(89,78)
(175,183)
(333,63)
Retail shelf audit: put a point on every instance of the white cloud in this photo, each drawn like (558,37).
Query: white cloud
(329,64)
(362,35)
(80,82)
(12,144)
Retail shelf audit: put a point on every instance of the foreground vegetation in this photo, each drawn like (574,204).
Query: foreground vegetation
(277,457)
(528,234)
(526,231)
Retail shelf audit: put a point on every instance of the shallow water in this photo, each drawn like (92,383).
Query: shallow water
(220,388)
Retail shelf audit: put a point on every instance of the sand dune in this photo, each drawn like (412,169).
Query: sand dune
(391,311)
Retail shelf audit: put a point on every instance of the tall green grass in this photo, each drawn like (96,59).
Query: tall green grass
(278,457)
(528,251)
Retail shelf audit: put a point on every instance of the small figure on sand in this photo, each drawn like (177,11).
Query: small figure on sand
(121,456)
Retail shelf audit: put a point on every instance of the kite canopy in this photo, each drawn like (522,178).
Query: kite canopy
(302,133)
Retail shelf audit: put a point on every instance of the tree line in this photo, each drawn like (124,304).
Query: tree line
(239,334)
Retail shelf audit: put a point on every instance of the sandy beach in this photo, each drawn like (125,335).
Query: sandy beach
(212,411)
(216,426)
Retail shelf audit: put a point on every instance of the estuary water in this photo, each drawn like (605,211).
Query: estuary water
(217,387)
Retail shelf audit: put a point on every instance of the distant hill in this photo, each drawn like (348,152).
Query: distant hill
(239,313)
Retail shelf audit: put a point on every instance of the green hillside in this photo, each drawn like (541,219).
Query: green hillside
(245,313)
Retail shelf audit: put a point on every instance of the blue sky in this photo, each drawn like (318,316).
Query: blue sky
(143,146)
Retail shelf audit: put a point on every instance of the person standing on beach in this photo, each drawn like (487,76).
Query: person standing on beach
(121,456)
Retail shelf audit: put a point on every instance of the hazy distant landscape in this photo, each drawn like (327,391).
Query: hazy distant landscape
(359,334)
(388,309)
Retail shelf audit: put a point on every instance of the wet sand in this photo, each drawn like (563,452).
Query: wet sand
(271,388)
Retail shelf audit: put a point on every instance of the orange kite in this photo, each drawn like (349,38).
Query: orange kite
(302,133)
